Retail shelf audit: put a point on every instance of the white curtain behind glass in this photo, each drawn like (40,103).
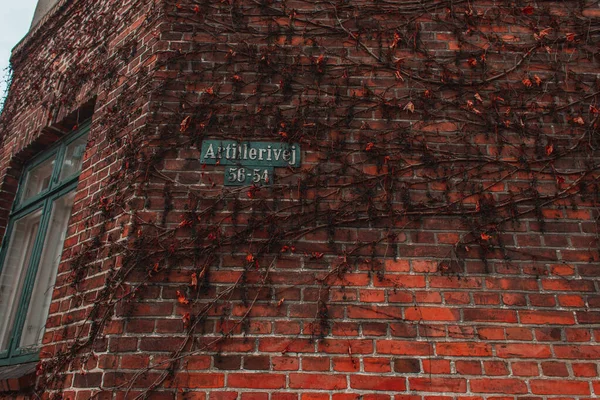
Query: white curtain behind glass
(39,304)
(14,269)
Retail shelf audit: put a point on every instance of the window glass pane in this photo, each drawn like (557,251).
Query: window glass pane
(19,252)
(38,179)
(73,157)
(39,304)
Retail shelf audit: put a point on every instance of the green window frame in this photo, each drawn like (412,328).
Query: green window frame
(45,199)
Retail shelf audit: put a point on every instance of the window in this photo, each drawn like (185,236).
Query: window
(32,246)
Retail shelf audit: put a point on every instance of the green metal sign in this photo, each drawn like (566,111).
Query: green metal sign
(249,163)
(264,154)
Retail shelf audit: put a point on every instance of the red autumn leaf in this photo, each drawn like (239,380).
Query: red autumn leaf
(181,298)
(154,270)
(527,82)
(472,62)
(202,273)
(210,90)
(545,32)
(396,40)
(443,267)
(316,255)
(285,248)
(578,121)
(485,236)
(570,37)
(560,179)
(549,149)
(370,146)
(196,9)
(186,319)
(537,79)
(594,110)
(478,97)
(184,222)
(185,124)
(194,283)
(280,302)
(250,258)
(527,10)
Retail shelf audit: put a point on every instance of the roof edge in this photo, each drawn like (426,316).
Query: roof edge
(36,29)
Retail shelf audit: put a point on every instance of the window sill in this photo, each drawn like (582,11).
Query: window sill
(14,378)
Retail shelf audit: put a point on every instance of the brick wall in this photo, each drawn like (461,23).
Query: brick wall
(439,240)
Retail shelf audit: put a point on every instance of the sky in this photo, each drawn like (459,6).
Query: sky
(15,19)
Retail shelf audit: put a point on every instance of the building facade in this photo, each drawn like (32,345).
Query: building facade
(295,199)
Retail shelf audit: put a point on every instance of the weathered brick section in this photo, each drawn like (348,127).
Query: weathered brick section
(349,313)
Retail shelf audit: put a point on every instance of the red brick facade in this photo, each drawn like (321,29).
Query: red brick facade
(439,240)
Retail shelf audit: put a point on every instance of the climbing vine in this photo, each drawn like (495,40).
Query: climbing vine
(412,116)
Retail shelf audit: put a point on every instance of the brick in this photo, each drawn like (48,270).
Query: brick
(255,396)
(256,381)
(333,346)
(346,364)
(559,387)
(524,368)
(431,314)
(228,362)
(496,385)
(523,351)
(495,368)
(376,364)
(484,315)
(547,317)
(468,367)
(438,384)
(584,369)
(406,348)
(257,362)
(194,380)
(317,381)
(577,352)
(380,383)
(464,349)
(407,365)
(285,363)
(316,363)
(551,368)
(436,366)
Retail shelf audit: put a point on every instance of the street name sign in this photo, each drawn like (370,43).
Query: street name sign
(249,162)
